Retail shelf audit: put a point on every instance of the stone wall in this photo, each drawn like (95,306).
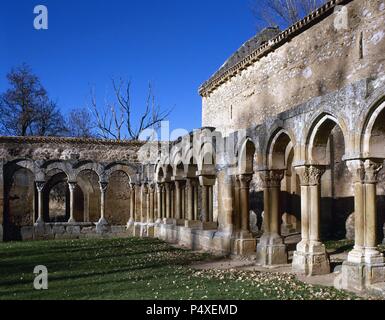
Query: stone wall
(313,63)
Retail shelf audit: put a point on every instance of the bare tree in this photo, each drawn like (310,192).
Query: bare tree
(281,13)
(114,120)
(80,123)
(25,107)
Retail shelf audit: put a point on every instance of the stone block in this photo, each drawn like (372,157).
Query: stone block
(243,247)
(268,255)
(71,229)
(193,224)
(310,264)
(169,221)
(26,233)
(58,229)
(209,226)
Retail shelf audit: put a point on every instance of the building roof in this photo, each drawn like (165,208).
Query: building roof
(264,43)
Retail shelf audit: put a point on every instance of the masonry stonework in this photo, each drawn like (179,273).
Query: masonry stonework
(292,146)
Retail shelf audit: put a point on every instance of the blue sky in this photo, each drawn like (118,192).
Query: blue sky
(175,44)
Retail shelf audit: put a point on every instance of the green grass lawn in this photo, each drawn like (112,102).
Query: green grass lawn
(136,269)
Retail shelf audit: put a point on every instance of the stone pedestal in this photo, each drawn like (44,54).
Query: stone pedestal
(180,222)
(137,229)
(243,247)
(102,226)
(311,263)
(130,227)
(151,230)
(169,221)
(271,250)
(209,226)
(361,276)
(143,230)
(193,224)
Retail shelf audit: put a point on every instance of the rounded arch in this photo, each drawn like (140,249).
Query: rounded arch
(206,157)
(318,136)
(118,167)
(246,157)
(89,166)
(278,149)
(372,142)
(64,167)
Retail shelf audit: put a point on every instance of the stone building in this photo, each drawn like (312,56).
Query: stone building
(292,145)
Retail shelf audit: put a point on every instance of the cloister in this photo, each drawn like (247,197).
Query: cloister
(243,183)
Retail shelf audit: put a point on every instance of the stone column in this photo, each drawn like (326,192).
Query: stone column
(271,249)
(151,205)
(205,203)
(159,193)
(365,265)
(101,226)
(132,203)
(244,180)
(72,186)
(40,198)
(144,209)
(196,197)
(131,220)
(189,200)
(207,181)
(310,258)
(178,199)
(168,202)
(237,213)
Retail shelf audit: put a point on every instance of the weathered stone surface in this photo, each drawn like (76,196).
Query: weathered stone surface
(350,227)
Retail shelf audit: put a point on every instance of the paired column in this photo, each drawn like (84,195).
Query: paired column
(72,187)
(271,249)
(132,204)
(244,188)
(168,200)
(40,187)
(310,258)
(151,203)
(189,199)
(178,199)
(365,265)
(159,194)
(103,190)
(365,174)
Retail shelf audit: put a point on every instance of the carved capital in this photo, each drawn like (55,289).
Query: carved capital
(151,187)
(272,178)
(40,185)
(372,168)
(72,186)
(357,168)
(244,180)
(310,175)
(103,186)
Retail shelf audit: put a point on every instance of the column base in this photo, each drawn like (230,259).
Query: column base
(311,263)
(360,276)
(169,221)
(158,221)
(1,233)
(271,250)
(143,230)
(180,222)
(130,227)
(209,226)
(193,224)
(151,230)
(243,247)
(137,229)
(102,226)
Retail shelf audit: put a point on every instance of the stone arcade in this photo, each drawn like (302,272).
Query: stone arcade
(292,145)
